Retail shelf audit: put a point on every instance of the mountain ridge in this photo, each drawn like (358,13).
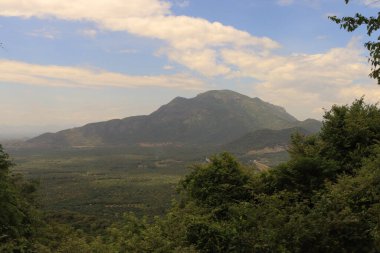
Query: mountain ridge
(211,118)
(264,138)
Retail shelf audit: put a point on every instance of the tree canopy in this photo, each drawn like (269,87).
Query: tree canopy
(17,215)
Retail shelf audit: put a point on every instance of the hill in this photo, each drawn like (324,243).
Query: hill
(211,118)
(263,138)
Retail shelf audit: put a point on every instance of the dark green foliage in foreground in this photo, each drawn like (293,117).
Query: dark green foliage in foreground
(304,174)
(325,199)
(18,218)
(349,133)
(218,183)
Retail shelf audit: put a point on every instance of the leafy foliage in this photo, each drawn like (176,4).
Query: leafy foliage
(17,215)
(316,202)
(220,182)
(372,25)
(349,133)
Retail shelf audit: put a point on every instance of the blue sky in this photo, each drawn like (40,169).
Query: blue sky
(65,63)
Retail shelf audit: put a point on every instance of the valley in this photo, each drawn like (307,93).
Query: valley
(109,168)
(107,182)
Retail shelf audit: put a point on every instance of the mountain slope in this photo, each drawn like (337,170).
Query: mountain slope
(212,118)
(263,138)
(311,125)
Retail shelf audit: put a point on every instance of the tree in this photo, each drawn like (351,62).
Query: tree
(350,133)
(372,24)
(17,216)
(220,182)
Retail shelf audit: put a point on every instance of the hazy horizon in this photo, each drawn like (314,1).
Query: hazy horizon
(25,131)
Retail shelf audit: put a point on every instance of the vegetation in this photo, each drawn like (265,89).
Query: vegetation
(17,215)
(326,198)
(105,182)
(372,25)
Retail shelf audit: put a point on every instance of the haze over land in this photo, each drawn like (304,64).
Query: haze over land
(89,61)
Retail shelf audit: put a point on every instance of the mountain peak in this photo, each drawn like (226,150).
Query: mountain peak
(221,94)
(213,117)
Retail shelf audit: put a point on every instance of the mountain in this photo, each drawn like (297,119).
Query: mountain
(211,118)
(263,138)
(311,125)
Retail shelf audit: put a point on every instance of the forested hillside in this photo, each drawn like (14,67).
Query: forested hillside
(324,199)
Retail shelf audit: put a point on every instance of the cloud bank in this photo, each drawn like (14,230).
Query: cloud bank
(308,81)
(184,36)
(304,83)
(64,76)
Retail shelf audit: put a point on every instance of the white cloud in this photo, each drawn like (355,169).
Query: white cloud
(48,33)
(152,19)
(322,37)
(128,51)
(62,76)
(96,11)
(302,82)
(182,3)
(168,67)
(285,2)
(201,60)
(309,3)
(371,3)
(307,82)
(90,33)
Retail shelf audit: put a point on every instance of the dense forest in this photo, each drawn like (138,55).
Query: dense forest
(324,199)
